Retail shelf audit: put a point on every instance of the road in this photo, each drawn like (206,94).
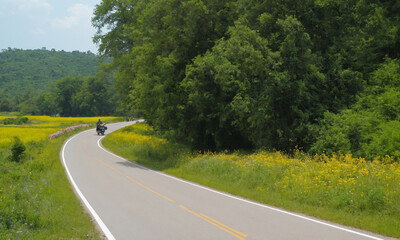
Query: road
(129,201)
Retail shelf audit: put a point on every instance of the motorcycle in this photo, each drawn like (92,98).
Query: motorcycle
(101,129)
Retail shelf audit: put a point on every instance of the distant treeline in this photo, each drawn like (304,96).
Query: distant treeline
(54,82)
(225,74)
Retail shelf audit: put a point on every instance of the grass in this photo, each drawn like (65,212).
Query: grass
(36,199)
(339,188)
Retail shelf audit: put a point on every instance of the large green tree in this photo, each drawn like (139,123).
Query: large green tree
(223,90)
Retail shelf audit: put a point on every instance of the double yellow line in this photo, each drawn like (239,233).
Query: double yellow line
(219,225)
(206,218)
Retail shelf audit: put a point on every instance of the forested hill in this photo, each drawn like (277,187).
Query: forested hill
(24,71)
(43,82)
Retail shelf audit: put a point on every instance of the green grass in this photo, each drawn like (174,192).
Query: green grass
(36,199)
(276,183)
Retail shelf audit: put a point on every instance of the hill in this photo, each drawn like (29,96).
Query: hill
(22,71)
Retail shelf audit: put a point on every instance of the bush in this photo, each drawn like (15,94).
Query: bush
(15,121)
(17,150)
(346,132)
(386,141)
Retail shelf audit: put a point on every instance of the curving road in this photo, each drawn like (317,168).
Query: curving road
(129,201)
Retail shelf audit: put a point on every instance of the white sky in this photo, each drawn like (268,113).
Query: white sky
(59,24)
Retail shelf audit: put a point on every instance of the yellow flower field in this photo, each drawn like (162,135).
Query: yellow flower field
(40,127)
(138,139)
(25,134)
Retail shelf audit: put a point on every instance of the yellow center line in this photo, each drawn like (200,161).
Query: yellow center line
(206,218)
(231,229)
(133,180)
(213,223)
(128,177)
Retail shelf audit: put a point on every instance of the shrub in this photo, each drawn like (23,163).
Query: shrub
(15,121)
(17,150)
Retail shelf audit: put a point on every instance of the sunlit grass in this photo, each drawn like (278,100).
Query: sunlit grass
(139,142)
(341,188)
(138,135)
(338,181)
(36,200)
(25,134)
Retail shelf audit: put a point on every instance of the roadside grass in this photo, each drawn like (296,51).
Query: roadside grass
(138,143)
(36,198)
(339,188)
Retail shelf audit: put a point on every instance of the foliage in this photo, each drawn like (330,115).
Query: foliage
(371,127)
(25,74)
(17,150)
(15,121)
(250,74)
(74,96)
(55,82)
(223,90)
(172,34)
(258,100)
(340,187)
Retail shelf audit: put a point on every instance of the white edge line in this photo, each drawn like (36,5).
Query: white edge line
(241,199)
(101,224)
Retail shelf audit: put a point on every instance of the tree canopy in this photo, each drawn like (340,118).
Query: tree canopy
(252,74)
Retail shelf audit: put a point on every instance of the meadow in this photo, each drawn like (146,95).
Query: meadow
(40,127)
(339,188)
(36,200)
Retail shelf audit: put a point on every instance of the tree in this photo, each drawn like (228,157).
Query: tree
(93,99)
(222,88)
(65,90)
(46,104)
(115,15)
(252,73)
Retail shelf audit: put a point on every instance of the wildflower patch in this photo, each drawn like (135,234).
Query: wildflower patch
(68,129)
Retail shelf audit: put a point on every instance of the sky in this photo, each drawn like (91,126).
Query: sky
(59,24)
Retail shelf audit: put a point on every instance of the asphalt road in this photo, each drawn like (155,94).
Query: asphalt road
(129,201)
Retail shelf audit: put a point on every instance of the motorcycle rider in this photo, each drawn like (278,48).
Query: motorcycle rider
(98,124)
